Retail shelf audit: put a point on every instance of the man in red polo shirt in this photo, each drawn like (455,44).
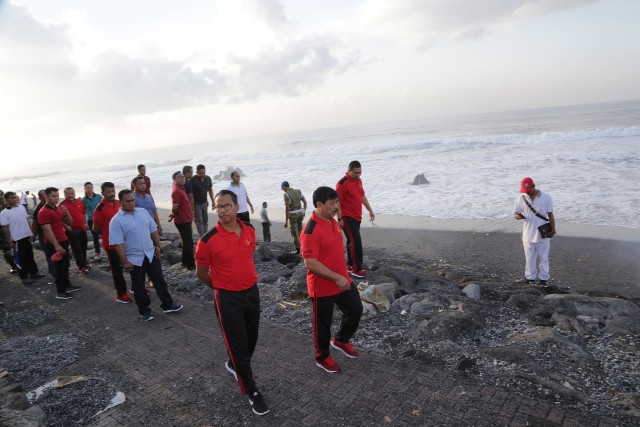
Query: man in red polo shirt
(77,231)
(106,209)
(142,171)
(328,282)
(351,196)
(56,243)
(182,216)
(224,257)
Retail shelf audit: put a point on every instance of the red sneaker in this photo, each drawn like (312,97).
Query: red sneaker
(346,348)
(328,365)
(123,299)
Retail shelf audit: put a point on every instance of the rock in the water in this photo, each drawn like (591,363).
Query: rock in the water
(420,179)
(226,174)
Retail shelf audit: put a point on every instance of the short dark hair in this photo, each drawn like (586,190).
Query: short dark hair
(232,173)
(133,181)
(124,192)
(233,195)
(88,183)
(41,194)
(322,194)
(199,167)
(264,204)
(354,164)
(107,184)
(50,190)
(9,194)
(69,188)
(186,169)
(176,173)
(141,166)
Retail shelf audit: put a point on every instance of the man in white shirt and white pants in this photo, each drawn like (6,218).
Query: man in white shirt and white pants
(536,248)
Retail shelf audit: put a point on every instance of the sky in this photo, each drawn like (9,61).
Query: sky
(84,77)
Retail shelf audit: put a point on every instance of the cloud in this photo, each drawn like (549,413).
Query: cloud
(420,24)
(49,71)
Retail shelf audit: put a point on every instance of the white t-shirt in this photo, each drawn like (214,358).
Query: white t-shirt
(263,215)
(23,199)
(543,205)
(16,219)
(241,192)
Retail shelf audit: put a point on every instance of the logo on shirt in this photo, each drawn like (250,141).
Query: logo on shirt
(249,243)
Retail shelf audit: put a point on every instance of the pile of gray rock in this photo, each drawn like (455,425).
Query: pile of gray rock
(578,350)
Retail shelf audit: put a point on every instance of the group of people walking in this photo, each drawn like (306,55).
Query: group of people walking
(130,230)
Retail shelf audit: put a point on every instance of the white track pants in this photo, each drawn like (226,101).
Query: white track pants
(535,253)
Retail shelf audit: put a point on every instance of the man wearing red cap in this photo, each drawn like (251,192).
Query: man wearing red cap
(535,208)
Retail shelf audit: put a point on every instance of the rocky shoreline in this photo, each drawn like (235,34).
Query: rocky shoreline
(577,350)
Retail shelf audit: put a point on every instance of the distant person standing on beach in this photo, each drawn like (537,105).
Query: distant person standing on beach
(142,171)
(266,224)
(182,216)
(224,258)
(56,243)
(352,197)
(202,185)
(187,171)
(4,245)
(106,210)
(18,235)
(77,231)
(24,200)
(243,197)
(134,235)
(294,212)
(536,248)
(91,201)
(145,201)
(328,282)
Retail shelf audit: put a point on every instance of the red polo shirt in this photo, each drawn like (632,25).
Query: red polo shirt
(53,216)
(78,210)
(102,217)
(147,181)
(350,192)
(322,240)
(229,257)
(185,211)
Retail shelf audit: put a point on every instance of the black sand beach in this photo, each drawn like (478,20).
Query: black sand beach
(172,369)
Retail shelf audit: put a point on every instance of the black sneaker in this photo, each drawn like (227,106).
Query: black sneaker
(258,405)
(231,370)
(64,295)
(543,283)
(525,281)
(174,307)
(74,288)
(146,317)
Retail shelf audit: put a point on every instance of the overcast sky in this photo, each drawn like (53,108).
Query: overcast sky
(78,75)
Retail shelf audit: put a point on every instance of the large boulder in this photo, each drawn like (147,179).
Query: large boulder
(374,295)
(420,179)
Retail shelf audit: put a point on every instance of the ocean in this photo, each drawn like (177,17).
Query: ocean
(586,156)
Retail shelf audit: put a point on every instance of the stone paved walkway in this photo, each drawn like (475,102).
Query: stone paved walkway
(172,372)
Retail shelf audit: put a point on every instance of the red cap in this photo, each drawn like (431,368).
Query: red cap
(56,257)
(526,184)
